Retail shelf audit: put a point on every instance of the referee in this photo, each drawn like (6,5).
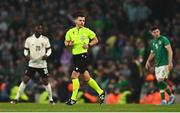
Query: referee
(80,39)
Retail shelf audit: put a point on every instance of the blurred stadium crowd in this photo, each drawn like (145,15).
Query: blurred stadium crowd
(117,62)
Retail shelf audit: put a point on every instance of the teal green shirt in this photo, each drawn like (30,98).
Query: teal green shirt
(159,50)
(79,37)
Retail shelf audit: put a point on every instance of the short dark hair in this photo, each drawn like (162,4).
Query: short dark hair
(78,14)
(37,24)
(154,27)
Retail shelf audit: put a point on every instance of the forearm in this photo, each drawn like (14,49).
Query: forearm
(150,58)
(170,56)
(170,53)
(49,51)
(93,42)
(26,52)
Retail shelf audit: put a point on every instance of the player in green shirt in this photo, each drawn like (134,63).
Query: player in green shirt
(162,52)
(80,39)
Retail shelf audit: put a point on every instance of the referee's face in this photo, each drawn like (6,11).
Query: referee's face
(80,21)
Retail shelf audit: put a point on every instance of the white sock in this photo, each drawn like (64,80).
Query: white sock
(22,86)
(49,90)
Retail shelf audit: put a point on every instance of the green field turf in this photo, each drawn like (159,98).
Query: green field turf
(28,107)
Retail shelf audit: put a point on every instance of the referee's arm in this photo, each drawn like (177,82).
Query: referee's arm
(94,41)
(68,43)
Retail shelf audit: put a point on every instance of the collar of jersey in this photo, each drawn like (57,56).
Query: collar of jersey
(35,36)
(79,28)
(158,38)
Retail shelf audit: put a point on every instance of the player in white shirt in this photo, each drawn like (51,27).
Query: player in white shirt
(37,49)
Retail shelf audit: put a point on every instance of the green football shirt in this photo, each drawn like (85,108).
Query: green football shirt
(79,37)
(159,50)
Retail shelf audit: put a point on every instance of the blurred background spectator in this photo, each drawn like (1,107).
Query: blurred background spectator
(117,62)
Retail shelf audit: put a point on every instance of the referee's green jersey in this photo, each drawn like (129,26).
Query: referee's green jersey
(79,37)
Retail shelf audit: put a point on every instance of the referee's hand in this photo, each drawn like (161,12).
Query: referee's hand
(85,46)
(71,43)
(68,43)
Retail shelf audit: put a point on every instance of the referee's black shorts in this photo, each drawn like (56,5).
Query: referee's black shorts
(80,62)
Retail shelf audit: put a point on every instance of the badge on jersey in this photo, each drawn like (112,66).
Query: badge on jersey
(82,38)
(156,45)
(160,42)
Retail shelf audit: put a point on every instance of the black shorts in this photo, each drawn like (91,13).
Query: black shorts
(80,62)
(30,71)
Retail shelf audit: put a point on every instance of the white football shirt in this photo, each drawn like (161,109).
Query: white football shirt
(37,49)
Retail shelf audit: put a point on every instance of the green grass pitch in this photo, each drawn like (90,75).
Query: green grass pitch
(61,107)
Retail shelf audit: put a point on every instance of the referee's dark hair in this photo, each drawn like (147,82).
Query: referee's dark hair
(78,14)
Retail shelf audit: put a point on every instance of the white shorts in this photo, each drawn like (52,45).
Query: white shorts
(161,72)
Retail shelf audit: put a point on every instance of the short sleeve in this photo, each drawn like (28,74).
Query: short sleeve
(152,51)
(91,34)
(26,45)
(166,41)
(48,45)
(151,47)
(67,36)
